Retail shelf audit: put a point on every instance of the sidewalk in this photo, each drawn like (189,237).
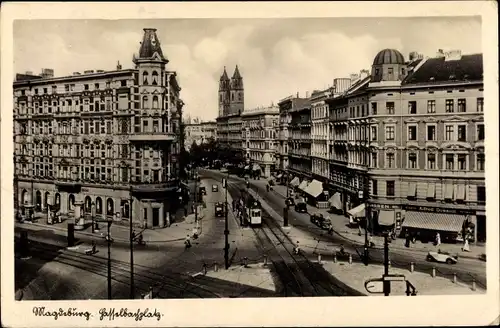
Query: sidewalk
(355,275)
(340,225)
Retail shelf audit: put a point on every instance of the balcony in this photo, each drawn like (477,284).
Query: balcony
(67,183)
(154,187)
(152,136)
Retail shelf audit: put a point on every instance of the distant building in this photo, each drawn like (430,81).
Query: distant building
(103,142)
(260,127)
(200,133)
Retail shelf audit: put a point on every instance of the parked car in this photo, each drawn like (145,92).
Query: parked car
(301,207)
(215,188)
(321,221)
(442,257)
(289,201)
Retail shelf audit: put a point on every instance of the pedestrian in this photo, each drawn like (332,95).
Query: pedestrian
(407,241)
(438,239)
(466,247)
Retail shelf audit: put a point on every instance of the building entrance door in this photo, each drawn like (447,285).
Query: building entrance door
(481,228)
(156,217)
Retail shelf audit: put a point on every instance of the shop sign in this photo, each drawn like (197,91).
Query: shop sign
(384,206)
(439,210)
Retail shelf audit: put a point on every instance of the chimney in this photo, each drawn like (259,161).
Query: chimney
(297,94)
(453,55)
(118,66)
(440,53)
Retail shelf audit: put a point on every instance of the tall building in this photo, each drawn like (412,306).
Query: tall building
(412,134)
(102,142)
(231,105)
(259,133)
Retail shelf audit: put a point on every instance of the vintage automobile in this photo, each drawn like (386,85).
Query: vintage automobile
(289,201)
(442,257)
(301,207)
(215,188)
(219,209)
(321,221)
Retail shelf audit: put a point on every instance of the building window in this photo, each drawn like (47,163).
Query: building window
(449,162)
(431,133)
(431,106)
(97,86)
(44,90)
(480,104)
(448,132)
(431,161)
(462,133)
(390,188)
(481,194)
(123,83)
(374,133)
(390,160)
(374,108)
(145,102)
(145,78)
(66,87)
(374,159)
(412,107)
(480,132)
(480,159)
(462,162)
(85,86)
(412,133)
(390,107)
(374,188)
(449,105)
(155,78)
(155,102)
(389,133)
(412,160)
(462,105)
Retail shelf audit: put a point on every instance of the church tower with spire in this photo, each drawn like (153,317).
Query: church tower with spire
(224,94)
(237,93)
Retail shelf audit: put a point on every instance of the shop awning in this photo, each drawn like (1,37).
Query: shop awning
(431,190)
(448,191)
(358,211)
(335,201)
(386,218)
(295,182)
(412,189)
(433,221)
(314,189)
(460,194)
(303,185)
(256,167)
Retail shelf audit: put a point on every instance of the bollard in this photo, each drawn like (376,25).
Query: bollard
(215,267)
(474,284)
(433,274)
(334,258)
(454,277)
(350,259)
(319,258)
(265,260)
(412,266)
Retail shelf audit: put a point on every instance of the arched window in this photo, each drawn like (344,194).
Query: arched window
(125,209)
(232,97)
(155,78)
(109,207)
(88,205)
(71,202)
(155,102)
(145,78)
(24,197)
(124,124)
(46,199)
(239,97)
(144,102)
(98,205)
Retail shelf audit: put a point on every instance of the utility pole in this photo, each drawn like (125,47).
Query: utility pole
(109,261)
(387,284)
(132,292)
(226,230)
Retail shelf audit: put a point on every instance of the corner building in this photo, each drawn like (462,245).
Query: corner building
(101,141)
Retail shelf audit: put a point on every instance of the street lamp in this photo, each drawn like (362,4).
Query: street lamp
(93,214)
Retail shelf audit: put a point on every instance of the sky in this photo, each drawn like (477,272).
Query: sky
(276,57)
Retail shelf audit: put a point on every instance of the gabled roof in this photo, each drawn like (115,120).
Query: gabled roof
(435,70)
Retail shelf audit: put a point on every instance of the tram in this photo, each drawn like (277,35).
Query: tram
(253,212)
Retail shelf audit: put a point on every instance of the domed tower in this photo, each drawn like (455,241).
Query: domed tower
(388,65)
(224,93)
(237,93)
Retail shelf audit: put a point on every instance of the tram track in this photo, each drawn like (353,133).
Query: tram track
(165,286)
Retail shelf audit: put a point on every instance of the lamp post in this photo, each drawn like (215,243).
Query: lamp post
(93,214)
(109,260)
(132,293)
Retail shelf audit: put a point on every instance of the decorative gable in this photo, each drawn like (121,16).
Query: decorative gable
(390,121)
(455,118)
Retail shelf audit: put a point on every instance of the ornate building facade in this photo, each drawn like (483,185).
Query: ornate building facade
(102,142)
(200,133)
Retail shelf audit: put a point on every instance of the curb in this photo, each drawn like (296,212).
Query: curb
(98,236)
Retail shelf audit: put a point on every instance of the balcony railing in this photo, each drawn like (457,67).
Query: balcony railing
(152,136)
